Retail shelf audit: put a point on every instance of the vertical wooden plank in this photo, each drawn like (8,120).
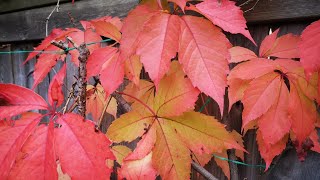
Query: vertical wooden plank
(6,73)
(19,70)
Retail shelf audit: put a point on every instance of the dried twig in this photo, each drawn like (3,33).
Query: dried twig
(47,19)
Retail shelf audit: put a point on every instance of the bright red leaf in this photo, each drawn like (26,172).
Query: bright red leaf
(36,160)
(239,54)
(309,48)
(107,29)
(204,55)
(84,142)
(55,94)
(158,44)
(133,25)
(18,99)
(12,139)
(224,14)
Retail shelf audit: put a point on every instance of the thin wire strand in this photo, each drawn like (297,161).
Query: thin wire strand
(50,52)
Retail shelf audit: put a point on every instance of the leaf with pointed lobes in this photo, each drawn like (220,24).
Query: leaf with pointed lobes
(283,47)
(267,43)
(138,169)
(302,113)
(112,74)
(132,69)
(194,126)
(44,64)
(145,88)
(259,96)
(37,160)
(158,44)
(55,94)
(132,27)
(107,29)
(84,142)
(96,102)
(97,58)
(113,20)
(18,99)
(239,54)
(267,151)
(204,55)
(224,14)
(12,139)
(309,48)
(87,37)
(170,157)
(275,123)
(56,34)
(252,69)
(175,91)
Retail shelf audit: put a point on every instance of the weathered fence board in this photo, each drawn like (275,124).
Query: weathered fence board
(30,24)
(15,5)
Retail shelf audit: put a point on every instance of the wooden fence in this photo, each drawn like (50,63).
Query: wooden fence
(22,26)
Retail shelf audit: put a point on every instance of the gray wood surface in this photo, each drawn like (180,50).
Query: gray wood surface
(281,10)
(15,5)
(30,24)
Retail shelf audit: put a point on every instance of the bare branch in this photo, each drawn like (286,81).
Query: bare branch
(252,8)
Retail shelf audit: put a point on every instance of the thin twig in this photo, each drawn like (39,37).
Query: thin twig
(71,94)
(47,19)
(252,8)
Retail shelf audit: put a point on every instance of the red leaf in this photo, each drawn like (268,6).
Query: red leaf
(37,157)
(315,139)
(98,58)
(56,34)
(302,113)
(12,139)
(259,96)
(55,93)
(107,29)
(267,43)
(285,47)
(252,69)
(112,74)
(204,55)
(269,152)
(158,44)
(236,90)
(138,169)
(45,63)
(309,48)
(82,141)
(18,100)
(275,123)
(224,14)
(239,54)
(132,27)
